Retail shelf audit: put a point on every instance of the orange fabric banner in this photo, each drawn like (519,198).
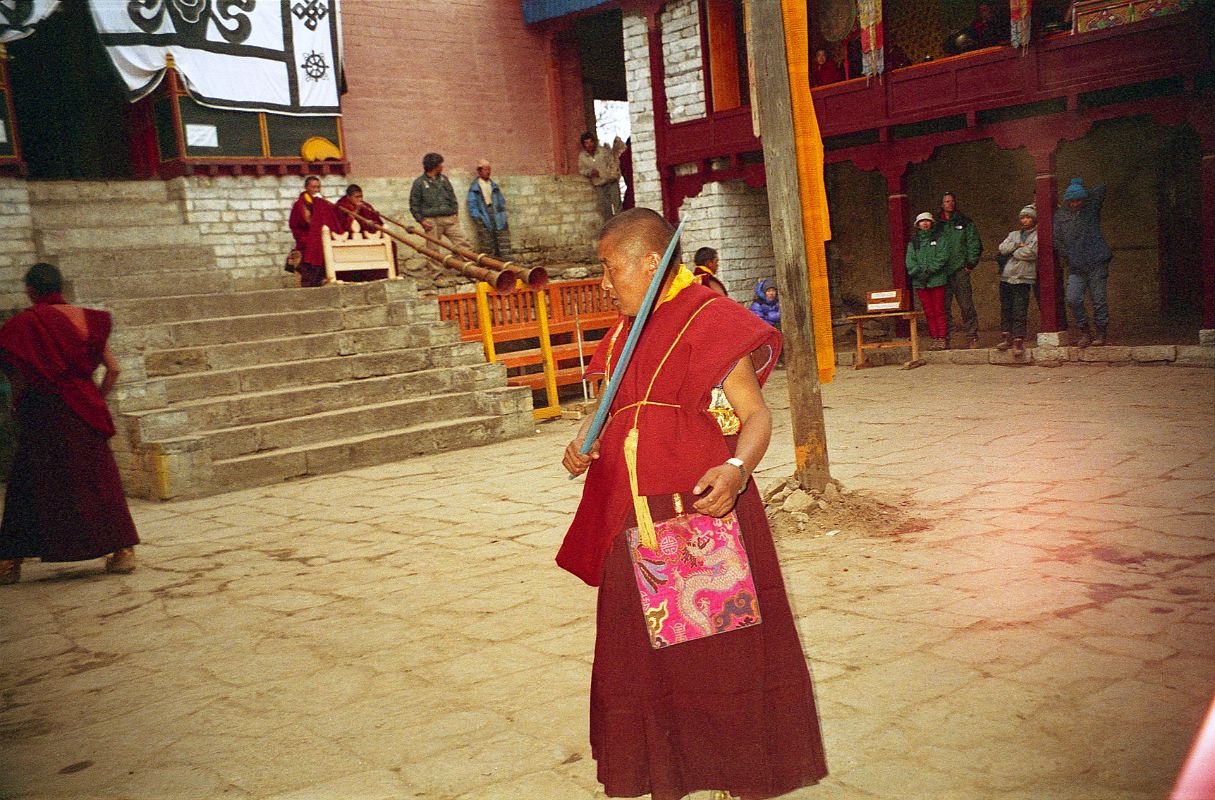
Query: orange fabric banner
(816,222)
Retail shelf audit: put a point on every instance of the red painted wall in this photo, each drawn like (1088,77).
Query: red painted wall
(464,78)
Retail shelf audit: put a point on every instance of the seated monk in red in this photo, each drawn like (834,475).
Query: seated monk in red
(353,201)
(309,214)
(733,711)
(64,499)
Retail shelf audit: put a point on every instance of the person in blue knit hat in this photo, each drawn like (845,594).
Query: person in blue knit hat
(1079,240)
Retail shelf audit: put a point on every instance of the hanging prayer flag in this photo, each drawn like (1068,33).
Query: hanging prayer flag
(281,56)
(872,55)
(18,17)
(1018,13)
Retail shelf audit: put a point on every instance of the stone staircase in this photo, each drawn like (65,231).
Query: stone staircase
(225,389)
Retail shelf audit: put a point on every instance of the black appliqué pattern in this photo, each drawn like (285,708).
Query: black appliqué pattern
(310,12)
(315,67)
(191,17)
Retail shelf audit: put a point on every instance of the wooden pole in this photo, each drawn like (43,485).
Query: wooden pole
(788,242)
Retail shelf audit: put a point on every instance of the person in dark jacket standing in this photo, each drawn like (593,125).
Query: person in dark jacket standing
(432,201)
(1079,240)
(960,238)
(487,207)
(927,268)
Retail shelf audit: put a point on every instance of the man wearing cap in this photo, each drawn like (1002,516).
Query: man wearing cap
(960,238)
(1018,274)
(487,207)
(1079,240)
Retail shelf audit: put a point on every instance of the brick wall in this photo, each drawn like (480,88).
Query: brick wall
(16,241)
(732,218)
(647,190)
(464,78)
(682,60)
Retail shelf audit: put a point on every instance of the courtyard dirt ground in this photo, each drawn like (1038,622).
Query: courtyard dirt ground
(1045,629)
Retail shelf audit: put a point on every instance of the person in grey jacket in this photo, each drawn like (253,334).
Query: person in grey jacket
(1018,274)
(1078,239)
(432,201)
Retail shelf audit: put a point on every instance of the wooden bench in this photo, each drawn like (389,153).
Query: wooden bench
(576,310)
(862,346)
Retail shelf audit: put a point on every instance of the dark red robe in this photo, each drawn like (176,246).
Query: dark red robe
(733,711)
(308,234)
(64,500)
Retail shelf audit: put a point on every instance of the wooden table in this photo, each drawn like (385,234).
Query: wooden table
(861,346)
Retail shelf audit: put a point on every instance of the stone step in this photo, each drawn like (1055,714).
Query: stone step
(65,215)
(137,261)
(160,310)
(278,404)
(140,236)
(365,450)
(206,281)
(263,377)
(99,191)
(323,426)
(183,360)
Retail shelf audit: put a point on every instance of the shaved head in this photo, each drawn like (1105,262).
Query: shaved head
(637,232)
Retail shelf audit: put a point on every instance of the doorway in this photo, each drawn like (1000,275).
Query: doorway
(70,106)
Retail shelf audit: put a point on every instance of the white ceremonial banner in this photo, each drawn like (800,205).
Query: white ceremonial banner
(248,55)
(18,17)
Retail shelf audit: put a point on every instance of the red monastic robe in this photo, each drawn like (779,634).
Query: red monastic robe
(366,211)
(308,234)
(64,500)
(679,440)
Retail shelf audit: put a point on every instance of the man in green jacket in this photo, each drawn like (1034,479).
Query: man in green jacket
(963,247)
(432,201)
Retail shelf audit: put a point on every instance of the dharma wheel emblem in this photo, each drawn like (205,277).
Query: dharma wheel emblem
(315,67)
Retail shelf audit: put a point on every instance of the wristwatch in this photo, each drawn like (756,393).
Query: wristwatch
(742,472)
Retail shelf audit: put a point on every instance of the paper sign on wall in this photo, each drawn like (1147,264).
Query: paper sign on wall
(202,136)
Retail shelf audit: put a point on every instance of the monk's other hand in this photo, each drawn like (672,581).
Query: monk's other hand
(722,483)
(575,461)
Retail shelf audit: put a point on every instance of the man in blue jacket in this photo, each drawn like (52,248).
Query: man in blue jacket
(1078,239)
(487,207)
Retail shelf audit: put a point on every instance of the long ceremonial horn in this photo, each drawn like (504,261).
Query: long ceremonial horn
(536,278)
(503,281)
(626,355)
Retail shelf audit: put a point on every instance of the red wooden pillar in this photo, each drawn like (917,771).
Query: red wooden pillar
(1050,284)
(1207,253)
(898,210)
(658,95)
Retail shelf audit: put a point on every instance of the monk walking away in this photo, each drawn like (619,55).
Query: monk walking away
(699,681)
(64,500)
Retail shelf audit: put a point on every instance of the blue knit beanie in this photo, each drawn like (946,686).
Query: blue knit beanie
(1076,190)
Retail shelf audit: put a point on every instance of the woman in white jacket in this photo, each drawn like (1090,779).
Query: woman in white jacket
(1018,273)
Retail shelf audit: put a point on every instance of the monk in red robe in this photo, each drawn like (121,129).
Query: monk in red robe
(353,201)
(733,711)
(310,213)
(64,499)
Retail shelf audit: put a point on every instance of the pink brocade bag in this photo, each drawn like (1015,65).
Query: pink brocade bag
(697,582)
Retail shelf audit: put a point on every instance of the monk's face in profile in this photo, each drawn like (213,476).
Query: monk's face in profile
(357,199)
(626,274)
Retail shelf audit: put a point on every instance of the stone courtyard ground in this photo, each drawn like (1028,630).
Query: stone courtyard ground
(402,632)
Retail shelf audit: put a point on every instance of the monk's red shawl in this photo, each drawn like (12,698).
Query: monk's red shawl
(51,355)
(308,234)
(676,445)
(365,211)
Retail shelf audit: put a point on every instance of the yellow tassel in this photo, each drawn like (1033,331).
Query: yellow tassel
(645,523)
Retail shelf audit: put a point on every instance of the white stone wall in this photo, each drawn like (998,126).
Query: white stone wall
(683,60)
(17,250)
(552,218)
(647,189)
(732,218)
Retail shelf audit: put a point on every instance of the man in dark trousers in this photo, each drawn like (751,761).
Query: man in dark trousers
(432,201)
(963,247)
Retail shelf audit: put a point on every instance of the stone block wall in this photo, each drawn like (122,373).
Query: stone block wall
(553,219)
(17,250)
(647,189)
(732,218)
(682,60)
